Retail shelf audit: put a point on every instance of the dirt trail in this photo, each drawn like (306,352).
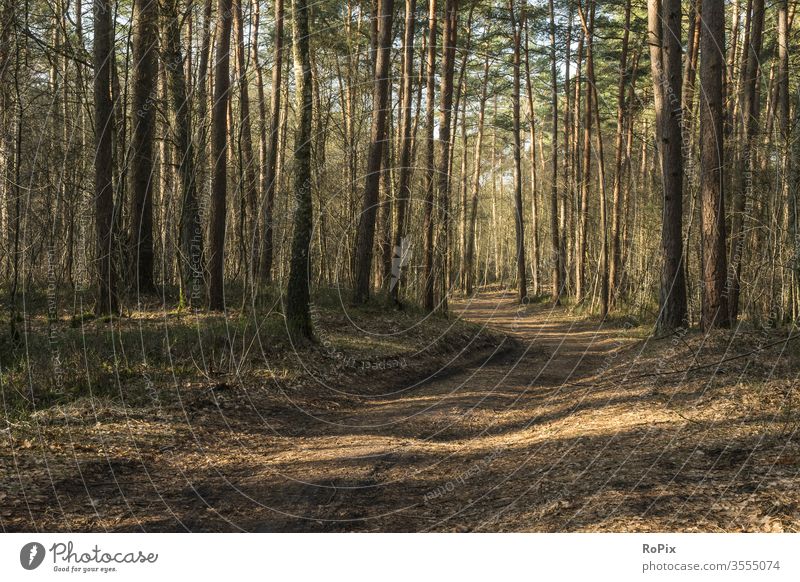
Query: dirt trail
(530,440)
(496,442)
(535,437)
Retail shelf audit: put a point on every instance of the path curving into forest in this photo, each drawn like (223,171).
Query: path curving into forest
(535,439)
(562,427)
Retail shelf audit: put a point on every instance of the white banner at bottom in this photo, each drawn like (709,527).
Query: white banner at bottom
(400,557)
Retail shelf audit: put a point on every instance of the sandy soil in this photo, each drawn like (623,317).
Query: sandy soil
(569,426)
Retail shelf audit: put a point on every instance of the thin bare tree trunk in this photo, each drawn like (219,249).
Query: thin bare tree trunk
(219,157)
(449,39)
(270,170)
(743,196)
(535,283)
(615,267)
(249,178)
(556,260)
(476,178)
(587,164)
(519,225)
(430,184)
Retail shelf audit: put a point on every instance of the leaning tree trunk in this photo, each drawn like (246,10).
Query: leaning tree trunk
(219,156)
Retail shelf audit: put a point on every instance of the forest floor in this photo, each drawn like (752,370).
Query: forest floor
(551,422)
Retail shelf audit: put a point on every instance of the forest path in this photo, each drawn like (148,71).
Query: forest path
(563,428)
(531,440)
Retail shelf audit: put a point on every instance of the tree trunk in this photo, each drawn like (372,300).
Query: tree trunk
(534,186)
(519,225)
(366,224)
(270,173)
(404,181)
(298,293)
(145,62)
(586,165)
(469,258)
(712,154)
(743,195)
(577,225)
(219,156)
(615,267)
(248,188)
(191,231)
(786,160)
(103,161)
(672,293)
(449,39)
(555,246)
(430,184)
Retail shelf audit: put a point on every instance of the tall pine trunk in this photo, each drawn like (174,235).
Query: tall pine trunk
(106,282)
(270,174)
(366,224)
(298,292)
(449,39)
(556,259)
(672,293)
(469,258)
(430,184)
(404,182)
(712,155)
(535,249)
(615,268)
(743,195)
(143,104)
(191,231)
(519,225)
(219,157)
(248,187)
